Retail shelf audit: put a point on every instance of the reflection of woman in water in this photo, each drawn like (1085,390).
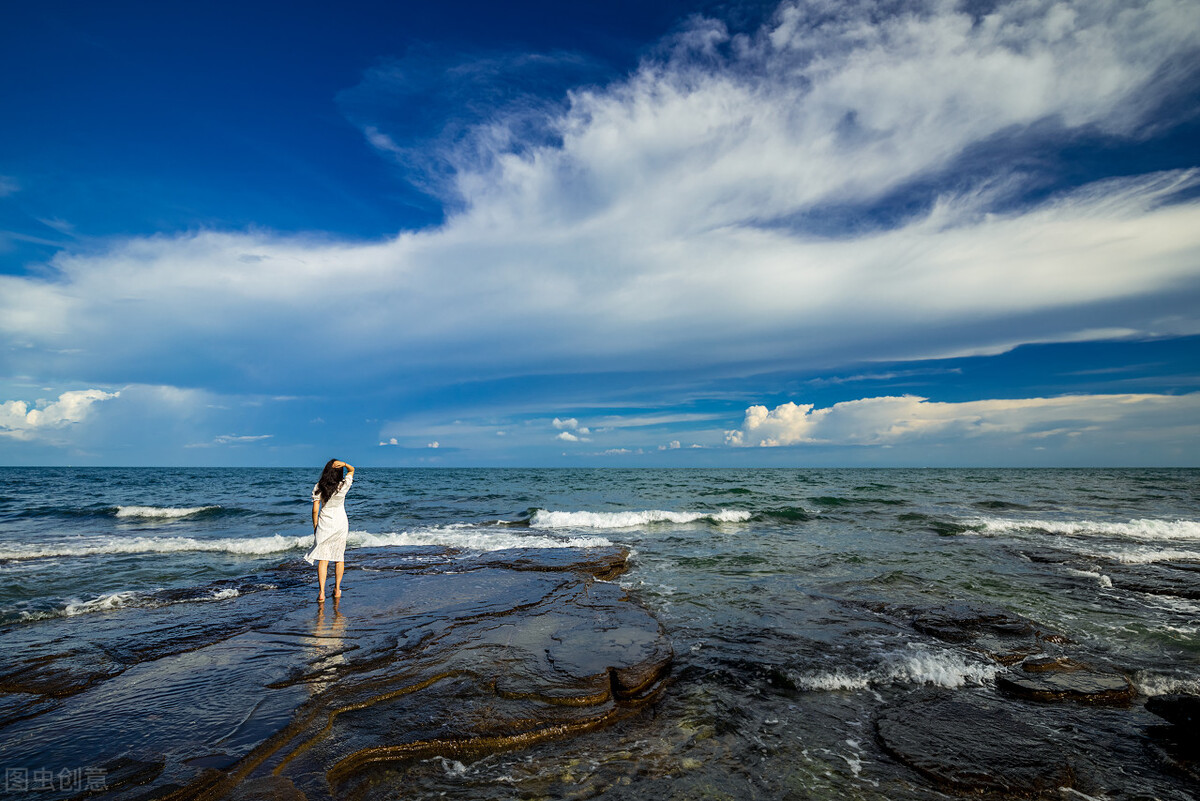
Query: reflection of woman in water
(330,525)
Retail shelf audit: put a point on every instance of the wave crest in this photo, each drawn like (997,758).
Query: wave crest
(1141,529)
(163,512)
(127,598)
(473,539)
(95,546)
(543,518)
(913,666)
(464,536)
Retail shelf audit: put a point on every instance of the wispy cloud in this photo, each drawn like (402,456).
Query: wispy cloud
(890,375)
(240,439)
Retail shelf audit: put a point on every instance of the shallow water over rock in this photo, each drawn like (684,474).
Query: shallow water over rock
(423,657)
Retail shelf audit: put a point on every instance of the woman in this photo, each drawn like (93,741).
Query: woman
(330,525)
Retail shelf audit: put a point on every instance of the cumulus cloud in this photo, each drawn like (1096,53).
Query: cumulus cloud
(19,420)
(571,430)
(668,220)
(892,420)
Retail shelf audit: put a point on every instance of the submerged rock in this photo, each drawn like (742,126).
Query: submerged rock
(1063,679)
(450,657)
(1181,579)
(970,743)
(991,630)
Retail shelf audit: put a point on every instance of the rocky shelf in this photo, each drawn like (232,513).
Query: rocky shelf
(269,695)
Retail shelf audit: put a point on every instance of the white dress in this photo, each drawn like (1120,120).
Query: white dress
(332,525)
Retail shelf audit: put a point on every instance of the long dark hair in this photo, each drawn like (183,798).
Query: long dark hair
(331,477)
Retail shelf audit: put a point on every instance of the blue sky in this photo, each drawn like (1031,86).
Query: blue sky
(808,233)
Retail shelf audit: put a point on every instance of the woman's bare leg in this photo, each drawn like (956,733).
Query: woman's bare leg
(322,572)
(337,580)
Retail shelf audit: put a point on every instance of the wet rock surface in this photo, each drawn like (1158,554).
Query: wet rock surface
(971,743)
(1180,579)
(1064,679)
(273,696)
(992,631)
(1178,709)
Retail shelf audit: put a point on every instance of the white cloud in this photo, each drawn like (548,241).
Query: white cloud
(434,444)
(8,185)
(670,446)
(381,141)
(886,421)
(664,227)
(21,421)
(240,439)
(573,431)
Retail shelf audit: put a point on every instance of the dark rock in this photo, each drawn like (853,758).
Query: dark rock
(1041,664)
(15,706)
(994,631)
(272,696)
(1181,710)
(1045,556)
(57,675)
(1063,679)
(602,563)
(961,622)
(267,788)
(966,742)
(1164,578)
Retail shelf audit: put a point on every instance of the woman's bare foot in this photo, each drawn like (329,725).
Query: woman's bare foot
(337,594)
(320,599)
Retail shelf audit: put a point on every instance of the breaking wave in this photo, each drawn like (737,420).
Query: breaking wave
(1143,529)
(463,536)
(91,546)
(543,518)
(472,538)
(128,598)
(163,512)
(915,665)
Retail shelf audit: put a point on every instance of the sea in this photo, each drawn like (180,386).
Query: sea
(786,594)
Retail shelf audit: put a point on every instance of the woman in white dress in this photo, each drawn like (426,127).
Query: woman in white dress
(330,525)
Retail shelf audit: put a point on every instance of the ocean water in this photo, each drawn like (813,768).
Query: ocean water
(779,588)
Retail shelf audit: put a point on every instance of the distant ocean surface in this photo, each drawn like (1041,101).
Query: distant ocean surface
(770,582)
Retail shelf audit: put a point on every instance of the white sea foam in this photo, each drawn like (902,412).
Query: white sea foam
(162,512)
(1143,556)
(1104,581)
(1141,529)
(471,538)
(1149,682)
(543,518)
(89,546)
(118,600)
(456,536)
(914,665)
